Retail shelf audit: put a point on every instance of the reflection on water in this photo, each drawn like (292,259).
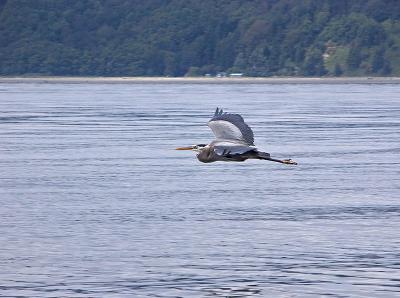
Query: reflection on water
(96,203)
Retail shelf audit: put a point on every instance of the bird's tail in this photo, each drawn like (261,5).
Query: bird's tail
(263,155)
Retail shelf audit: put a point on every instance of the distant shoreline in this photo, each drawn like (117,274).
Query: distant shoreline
(199,80)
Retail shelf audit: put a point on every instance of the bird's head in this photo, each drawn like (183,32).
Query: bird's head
(196,148)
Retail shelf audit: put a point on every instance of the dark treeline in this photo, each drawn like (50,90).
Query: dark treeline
(191,37)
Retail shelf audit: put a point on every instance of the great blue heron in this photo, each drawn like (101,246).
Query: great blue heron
(234,141)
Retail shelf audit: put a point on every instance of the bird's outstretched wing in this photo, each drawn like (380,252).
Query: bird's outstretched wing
(232,150)
(231,127)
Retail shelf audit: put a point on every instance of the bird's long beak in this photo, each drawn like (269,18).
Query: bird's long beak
(184,148)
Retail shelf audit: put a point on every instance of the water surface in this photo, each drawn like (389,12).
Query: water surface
(94,201)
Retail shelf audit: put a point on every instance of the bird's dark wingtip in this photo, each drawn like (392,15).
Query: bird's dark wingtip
(218,112)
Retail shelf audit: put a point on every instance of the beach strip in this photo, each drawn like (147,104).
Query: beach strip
(200,80)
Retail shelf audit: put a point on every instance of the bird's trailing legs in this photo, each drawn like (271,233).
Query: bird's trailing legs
(286,161)
(267,156)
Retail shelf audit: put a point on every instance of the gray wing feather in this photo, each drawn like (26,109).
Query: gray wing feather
(231,127)
(231,150)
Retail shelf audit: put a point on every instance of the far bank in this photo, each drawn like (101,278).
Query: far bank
(200,80)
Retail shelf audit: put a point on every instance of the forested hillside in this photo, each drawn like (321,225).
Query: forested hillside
(191,37)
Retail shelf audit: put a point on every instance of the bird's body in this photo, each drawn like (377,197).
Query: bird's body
(229,151)
(234,141)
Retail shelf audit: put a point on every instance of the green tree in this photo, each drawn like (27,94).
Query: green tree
(378,60)
(338,70)
(314,63)
(353,60)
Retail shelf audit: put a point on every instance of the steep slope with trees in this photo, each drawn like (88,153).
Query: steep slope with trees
(190,37)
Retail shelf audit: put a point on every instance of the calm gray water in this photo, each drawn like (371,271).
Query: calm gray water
(94,201)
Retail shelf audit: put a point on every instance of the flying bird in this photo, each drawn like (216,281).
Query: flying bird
(234,141)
